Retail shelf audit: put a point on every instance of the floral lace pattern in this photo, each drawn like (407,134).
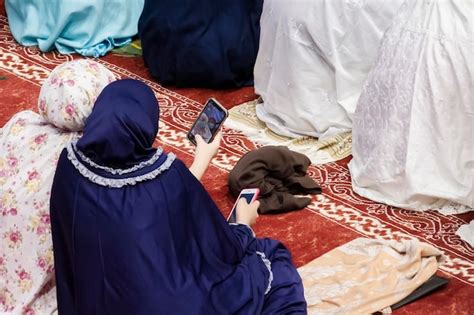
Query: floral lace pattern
(407,152)
(30,145)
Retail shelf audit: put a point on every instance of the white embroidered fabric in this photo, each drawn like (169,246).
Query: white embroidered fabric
(413,127)
(116,182)
(313,59)
(466,233)
(451,208)
(116,171)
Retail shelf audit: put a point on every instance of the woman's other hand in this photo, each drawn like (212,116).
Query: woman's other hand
(206,151)
(247,213)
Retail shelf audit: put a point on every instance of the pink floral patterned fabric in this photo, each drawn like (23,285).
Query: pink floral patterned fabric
(30,145)
(67,96)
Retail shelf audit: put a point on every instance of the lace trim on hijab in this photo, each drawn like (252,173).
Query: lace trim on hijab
(268,264)
(117,171)
(116,182)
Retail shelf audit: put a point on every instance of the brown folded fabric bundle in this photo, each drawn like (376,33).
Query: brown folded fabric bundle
(279,173)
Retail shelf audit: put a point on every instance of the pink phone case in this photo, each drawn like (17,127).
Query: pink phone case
(243,195)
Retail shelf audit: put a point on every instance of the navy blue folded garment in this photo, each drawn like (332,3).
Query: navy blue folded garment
(202,43)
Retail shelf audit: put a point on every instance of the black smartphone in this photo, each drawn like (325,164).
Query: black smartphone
(208,121)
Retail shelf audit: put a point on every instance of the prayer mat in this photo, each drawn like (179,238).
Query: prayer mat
(244,118)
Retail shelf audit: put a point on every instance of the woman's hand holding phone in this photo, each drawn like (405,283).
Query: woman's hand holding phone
(247,213)
(204,153)
(207,125)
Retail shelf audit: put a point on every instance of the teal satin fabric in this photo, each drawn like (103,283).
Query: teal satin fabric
(87,27)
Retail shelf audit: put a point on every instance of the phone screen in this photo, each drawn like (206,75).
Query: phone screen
(233,215)
(208,122)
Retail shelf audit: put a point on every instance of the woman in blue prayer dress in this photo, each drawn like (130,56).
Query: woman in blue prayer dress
(204,43)
(135,232)
(87,27)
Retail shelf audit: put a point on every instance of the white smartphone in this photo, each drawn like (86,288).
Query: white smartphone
(250,194)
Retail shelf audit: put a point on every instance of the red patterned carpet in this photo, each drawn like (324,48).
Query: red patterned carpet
(334,218)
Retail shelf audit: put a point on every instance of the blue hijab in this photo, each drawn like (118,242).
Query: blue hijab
(122,128)
(134,232)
